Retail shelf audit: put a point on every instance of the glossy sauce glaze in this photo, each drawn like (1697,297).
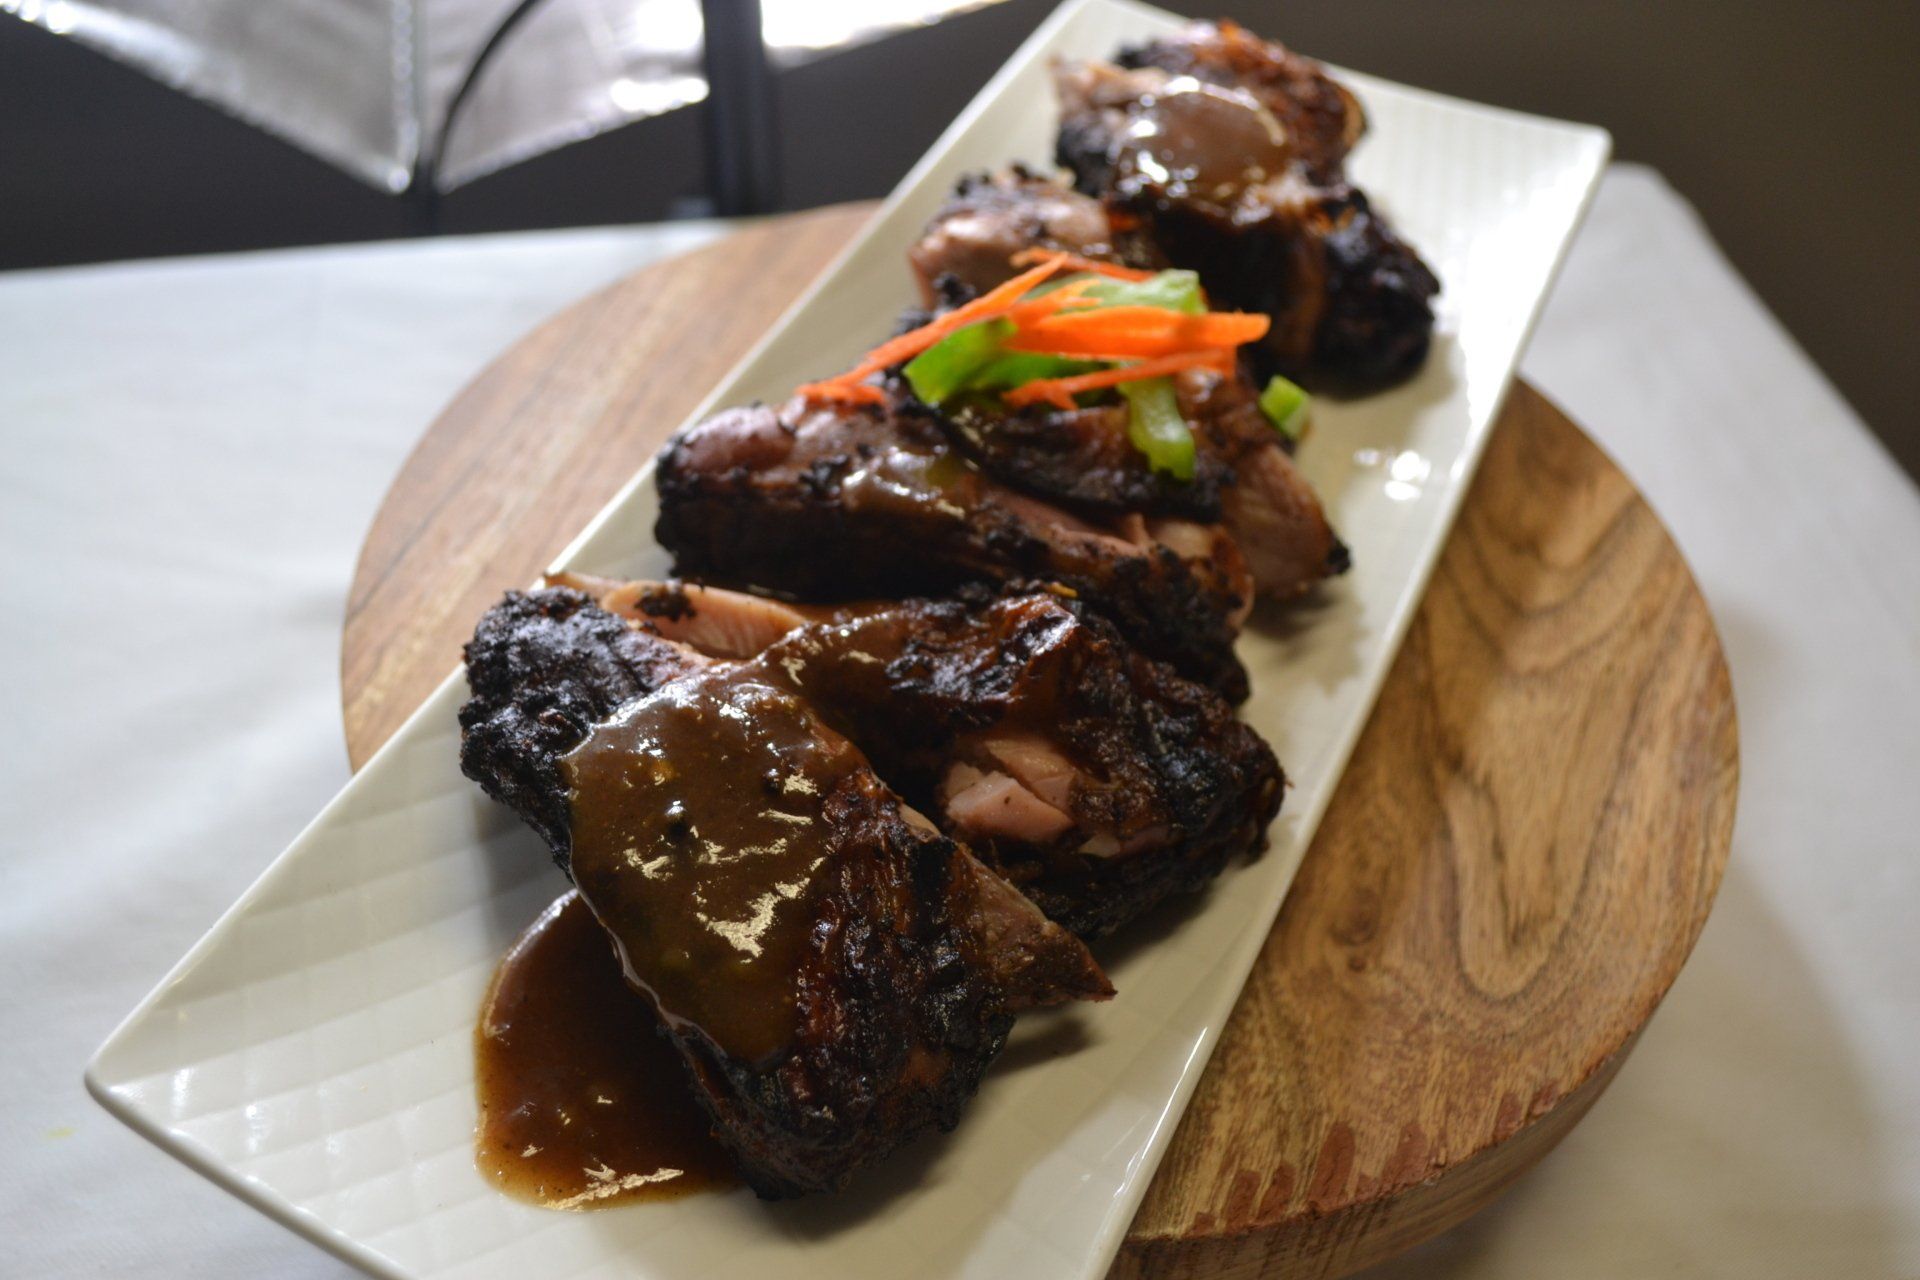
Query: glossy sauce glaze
(582,1104)
(1194,138)
(926,484)
(697,833)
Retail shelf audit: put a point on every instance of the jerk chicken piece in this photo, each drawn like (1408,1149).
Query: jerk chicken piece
(1096,780)
(835,973)
(991,217)
(1081,458)
(839,501)
(1229,150)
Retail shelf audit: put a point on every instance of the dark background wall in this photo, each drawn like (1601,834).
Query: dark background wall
(1793,128)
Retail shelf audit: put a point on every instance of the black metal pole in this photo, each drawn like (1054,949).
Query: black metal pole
(743,161)
(424,191)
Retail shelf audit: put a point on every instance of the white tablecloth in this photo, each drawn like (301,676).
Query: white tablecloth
(193,449)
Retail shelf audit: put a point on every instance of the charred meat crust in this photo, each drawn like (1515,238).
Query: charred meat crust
(543,668)
(1214,783)
(1351,301)
(1083,459)
(1354,300)
(744,501)
(1157,753)
(917,957)
(1116,781)
(895,1025)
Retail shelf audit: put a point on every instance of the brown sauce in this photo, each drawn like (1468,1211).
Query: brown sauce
(582,1104)
(698,832)
(1207,139)
(938,488)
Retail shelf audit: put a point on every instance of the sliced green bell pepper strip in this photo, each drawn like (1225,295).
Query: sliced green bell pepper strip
(1156,427)
(1287,406)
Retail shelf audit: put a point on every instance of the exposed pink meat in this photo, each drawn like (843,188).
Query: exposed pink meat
(716,622)
(1037,764)
(730,624)
(1184,538)
(1209,551)
(993,804)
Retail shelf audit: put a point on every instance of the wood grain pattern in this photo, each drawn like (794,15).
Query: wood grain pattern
(1514,867)
(1510,875)
(541,440)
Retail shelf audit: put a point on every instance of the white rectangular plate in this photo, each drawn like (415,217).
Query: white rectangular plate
(313,1052)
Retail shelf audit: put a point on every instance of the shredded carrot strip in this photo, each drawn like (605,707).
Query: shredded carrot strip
(1027,313)
(1208,329)
(1074,262)
(1104,346)
(835,389)
(985,307)
(1142,332)
(1118,350)
(1070,291)
(1061,391)
(1065,322)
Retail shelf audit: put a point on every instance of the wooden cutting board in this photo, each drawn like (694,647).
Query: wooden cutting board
(1511,873)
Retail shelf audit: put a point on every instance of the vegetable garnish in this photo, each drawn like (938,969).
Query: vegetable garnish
(1040,338)
(948,367)
(976,358)
(1123,332)
(1157,428)
(1287,406)
(1174,290)
(912,343)
(1061,391)
(851,392)
(1074,262)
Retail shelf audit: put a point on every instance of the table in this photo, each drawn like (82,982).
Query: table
(195,448)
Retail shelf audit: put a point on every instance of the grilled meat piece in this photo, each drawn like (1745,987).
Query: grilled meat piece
(1095,779)
(712,620)
(544,669)
(1082,458)
(990,217)
(1319,116)
(1244,479)
(838,502)
(1272,512)
(1229,151)
(836,974)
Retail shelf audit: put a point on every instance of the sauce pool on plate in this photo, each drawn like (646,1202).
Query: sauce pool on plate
(582,1105)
